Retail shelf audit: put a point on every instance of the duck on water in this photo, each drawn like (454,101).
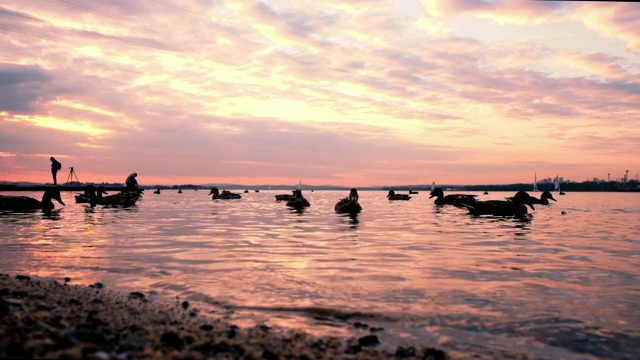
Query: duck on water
(451,199)
(393,196)
(298,202)
(124,198)
(285,197)
(544,198)
(225,195)
(512,206)
(349,205)
(89,194)
(27,204)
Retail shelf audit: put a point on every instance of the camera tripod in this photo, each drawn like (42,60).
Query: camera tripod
(72,174)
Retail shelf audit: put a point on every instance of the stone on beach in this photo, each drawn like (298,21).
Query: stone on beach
(41,318)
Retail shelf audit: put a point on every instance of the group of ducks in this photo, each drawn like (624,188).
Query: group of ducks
(296,201)
(515,206)
(92,196)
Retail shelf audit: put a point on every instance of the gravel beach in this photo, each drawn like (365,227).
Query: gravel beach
(49,318)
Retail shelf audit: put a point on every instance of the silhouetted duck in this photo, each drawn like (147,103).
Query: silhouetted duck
(157,191)
(89,194)
(393,196)
(485,193)
(513,206)
(246,191)
(179,191)
(349,205)
(285,197)
(544,198)
(298,201)
(27,204)
(122,199)
(451,199)
(225,195)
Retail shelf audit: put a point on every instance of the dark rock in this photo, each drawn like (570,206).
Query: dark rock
(269,355)
(376,329)
(434,354)
(264,328)
(97,301)
(92,337)
(353,349)
(74,302)
(359,325)
(173,340)
(185,305)
(67,279)
(136,295)
(206,327)
(91,318)
(23,277)
(369,340)
(16,351)
(402,352)
(96,285)
(134,328)
(4,308)
(43,307)
(231,332)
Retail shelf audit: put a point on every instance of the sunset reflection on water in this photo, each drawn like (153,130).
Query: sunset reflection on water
(415,269)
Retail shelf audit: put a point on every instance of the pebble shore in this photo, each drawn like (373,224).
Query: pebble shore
(47,318)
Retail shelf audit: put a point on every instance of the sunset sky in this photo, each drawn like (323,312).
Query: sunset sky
(351,92)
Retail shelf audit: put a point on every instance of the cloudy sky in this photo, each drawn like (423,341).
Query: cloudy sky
(343,92)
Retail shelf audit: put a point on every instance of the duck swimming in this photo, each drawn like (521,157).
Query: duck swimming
(513,206)
(225,195)
(544,198)
(451,198)
(122,199)
(157,191)
(349,205)
(285,197)
(393,196)
(298,201)
(27,204)
(89,194)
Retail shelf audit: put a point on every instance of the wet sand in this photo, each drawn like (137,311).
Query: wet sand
(48,318)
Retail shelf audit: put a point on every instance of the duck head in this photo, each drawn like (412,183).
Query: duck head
(522,197)
(353,195)
(214,191)
(47,204)
(437,192)
(547,195)
(391,193)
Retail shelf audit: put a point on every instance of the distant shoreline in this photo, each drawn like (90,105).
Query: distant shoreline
(587,186)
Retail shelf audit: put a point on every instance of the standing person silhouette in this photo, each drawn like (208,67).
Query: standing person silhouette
(131,181)
(55,166)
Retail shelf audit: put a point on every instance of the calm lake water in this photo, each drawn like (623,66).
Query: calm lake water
(555,286)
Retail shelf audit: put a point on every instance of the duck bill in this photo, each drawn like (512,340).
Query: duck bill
(57,198)
(531,206)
